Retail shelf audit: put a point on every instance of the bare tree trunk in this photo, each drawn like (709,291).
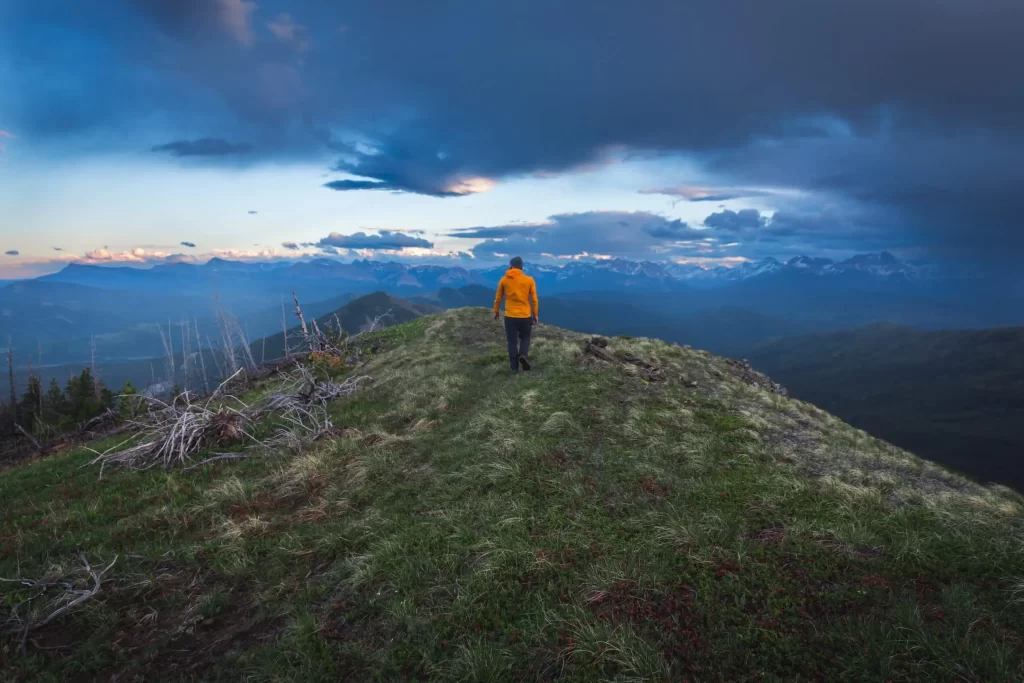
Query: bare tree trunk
(167,355)
(245,345)
(184,351)
(202,361)
(305,330)
(92,365)
(170,342)
(298,312)
(226,337)
(10,379)
(284,328)
(213,352)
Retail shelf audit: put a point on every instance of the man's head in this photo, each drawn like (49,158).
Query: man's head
(516,262)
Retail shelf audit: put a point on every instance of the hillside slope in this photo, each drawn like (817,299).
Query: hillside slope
(956,397)
(639,511)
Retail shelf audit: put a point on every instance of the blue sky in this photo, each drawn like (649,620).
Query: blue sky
(707,131)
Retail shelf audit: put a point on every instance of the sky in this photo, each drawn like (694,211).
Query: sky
(711,131)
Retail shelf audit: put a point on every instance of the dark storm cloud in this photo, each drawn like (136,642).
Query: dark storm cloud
(205,147)
(442,97)
(12,252)
(349,185)
(290,245)
(190,245)
(634,234)
(736,221)
(387,239)
(796,231)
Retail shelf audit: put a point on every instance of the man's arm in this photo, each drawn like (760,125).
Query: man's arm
(498,297)
(535,302)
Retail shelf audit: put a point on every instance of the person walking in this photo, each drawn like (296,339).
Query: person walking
(521,312)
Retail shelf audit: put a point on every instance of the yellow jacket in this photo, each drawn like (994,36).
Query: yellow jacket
(520,293)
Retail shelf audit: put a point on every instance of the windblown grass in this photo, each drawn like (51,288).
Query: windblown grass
(577,522)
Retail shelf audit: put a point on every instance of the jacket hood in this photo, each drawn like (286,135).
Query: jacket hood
(514,272)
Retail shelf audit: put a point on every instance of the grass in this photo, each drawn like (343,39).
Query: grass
(577,522)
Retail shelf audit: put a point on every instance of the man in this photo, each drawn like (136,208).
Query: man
(521,312)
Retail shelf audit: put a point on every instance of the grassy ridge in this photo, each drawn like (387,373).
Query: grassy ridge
(578,522)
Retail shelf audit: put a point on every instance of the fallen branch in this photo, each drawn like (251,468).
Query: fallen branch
(105,419)
(28,436)
(68,598)
(172,434)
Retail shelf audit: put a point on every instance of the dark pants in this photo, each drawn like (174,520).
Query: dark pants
(517,331)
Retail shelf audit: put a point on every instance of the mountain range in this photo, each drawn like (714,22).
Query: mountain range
(636,274)
(114,312)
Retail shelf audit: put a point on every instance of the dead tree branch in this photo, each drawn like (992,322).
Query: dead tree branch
(30,438)
(173,433)
(202,361)
(61,596)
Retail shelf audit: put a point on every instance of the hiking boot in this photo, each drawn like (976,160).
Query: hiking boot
(524,362)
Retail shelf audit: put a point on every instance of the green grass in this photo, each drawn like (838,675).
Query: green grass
(577,522)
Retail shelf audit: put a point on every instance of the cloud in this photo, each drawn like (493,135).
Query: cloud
(190,245)
(386,239)
(251,213)
(736,221)
(204,147)
(4,134)
(12,252)
(57,248)
(434,187)
(290,245)
(289,32)
(627,234)
(194,19)
(746,94)
(798,230)
(137,255)
(702,193)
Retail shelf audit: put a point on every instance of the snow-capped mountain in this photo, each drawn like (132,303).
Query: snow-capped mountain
(880,265)
(599,275)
